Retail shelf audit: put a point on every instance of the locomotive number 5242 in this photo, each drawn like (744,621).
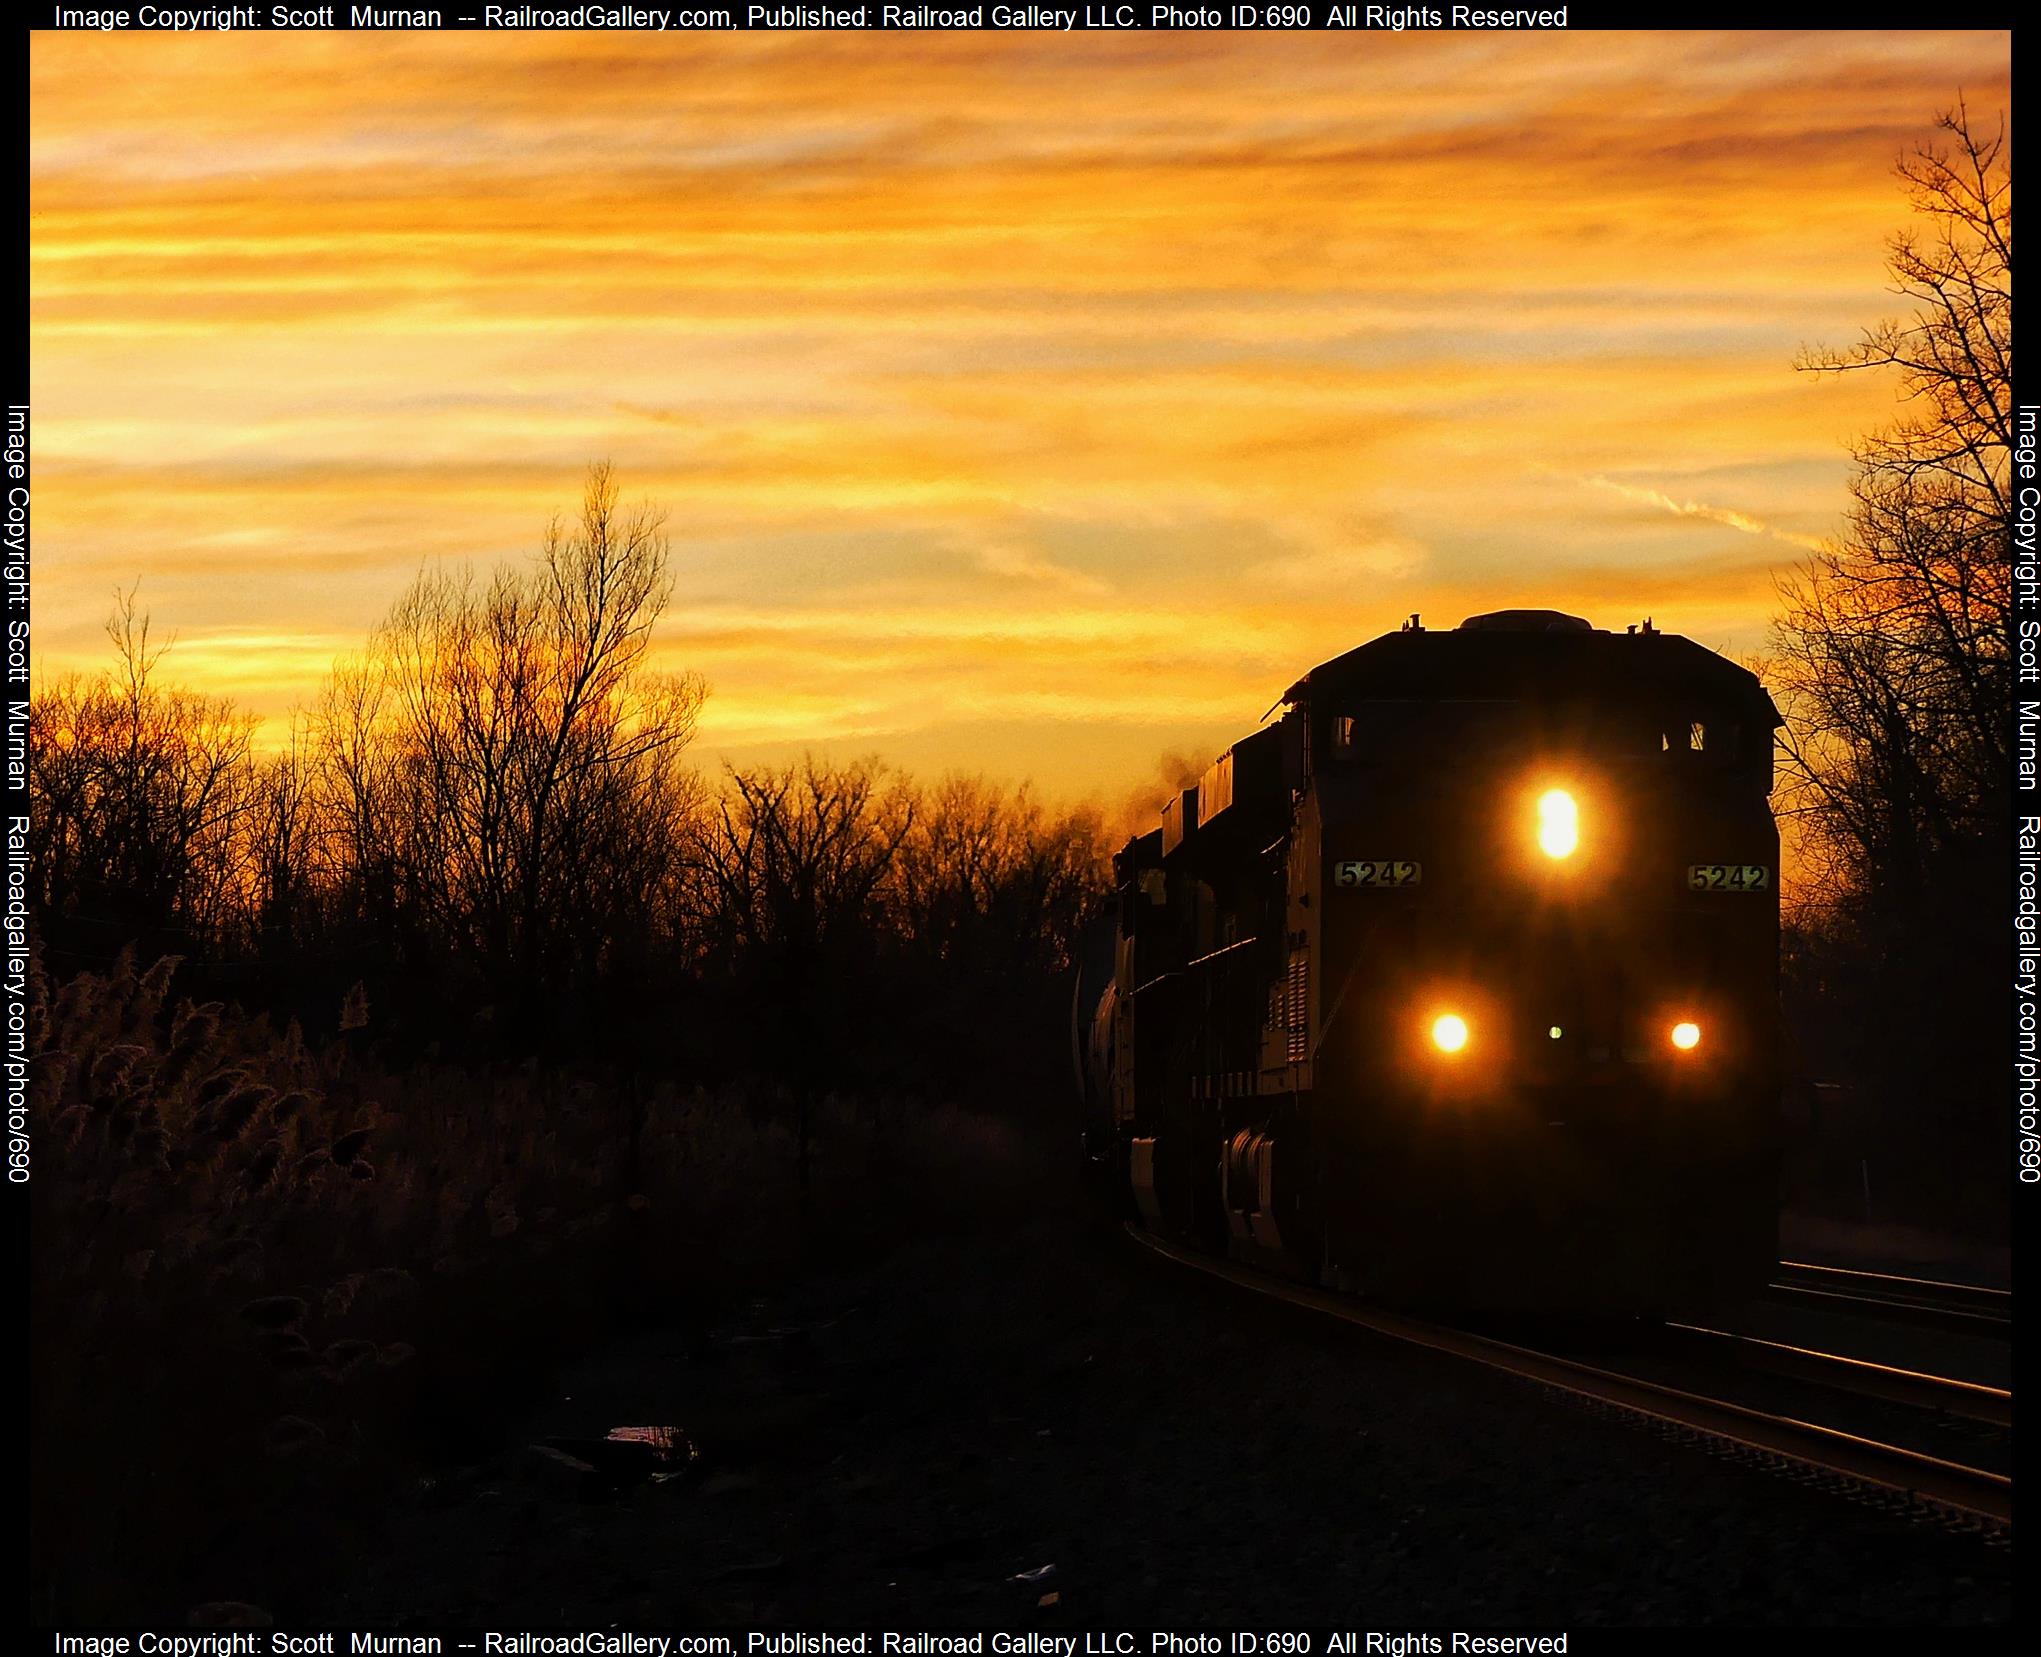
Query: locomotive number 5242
(1729,877)
(1378,871)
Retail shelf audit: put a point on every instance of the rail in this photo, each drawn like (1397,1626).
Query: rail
(1973,1308)
(1945,1487)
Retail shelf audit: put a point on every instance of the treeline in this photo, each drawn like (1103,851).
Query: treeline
(488,838)
(380,1071)
(1893,666)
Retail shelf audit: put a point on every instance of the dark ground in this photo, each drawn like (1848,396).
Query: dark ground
(889,1445)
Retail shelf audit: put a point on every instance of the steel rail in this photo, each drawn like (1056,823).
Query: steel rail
(1930,1481)
(1971,1306)
(1934,1293)
(1865,1376)
(1979,1290)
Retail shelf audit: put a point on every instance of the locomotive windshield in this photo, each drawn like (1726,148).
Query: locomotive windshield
(1393,732)
(1402,731)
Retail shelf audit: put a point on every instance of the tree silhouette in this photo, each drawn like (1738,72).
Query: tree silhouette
(1893,649)
(1893,668)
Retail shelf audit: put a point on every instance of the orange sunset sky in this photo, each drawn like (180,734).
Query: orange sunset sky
(1025,403)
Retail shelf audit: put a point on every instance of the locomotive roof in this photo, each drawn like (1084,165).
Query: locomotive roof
(1494,657)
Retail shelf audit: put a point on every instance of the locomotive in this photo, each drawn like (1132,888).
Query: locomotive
(1457,984)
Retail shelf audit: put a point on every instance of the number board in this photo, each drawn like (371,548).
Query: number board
(1378,871)
(1729,877)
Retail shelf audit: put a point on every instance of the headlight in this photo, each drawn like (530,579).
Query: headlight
(1558,823)
(1449,1032)
(1686,1036)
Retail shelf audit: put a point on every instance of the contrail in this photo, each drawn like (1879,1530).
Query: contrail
(1714,514)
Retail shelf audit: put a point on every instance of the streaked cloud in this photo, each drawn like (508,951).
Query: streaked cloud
(1032,403)
(1708,514)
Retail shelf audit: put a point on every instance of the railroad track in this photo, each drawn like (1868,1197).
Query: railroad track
(1969,1308)
(1862,1377)
(1918,1480)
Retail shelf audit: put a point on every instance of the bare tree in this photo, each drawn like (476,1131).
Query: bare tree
(1893,650)
(789,865)
(991,877)
(141,793)
(505,755)
(357,797)
(788,876)
(1893,664)
(283,854)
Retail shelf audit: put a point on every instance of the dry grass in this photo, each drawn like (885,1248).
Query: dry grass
(273,1280)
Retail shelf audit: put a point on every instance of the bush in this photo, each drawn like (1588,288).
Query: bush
(273,1283)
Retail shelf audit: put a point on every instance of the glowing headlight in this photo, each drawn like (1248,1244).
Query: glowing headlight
(1558,823)
(1449,1032)
(1686,1037)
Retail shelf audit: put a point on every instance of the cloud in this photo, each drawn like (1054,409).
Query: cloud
(1015,561)
(1069,394)
(1741,521)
